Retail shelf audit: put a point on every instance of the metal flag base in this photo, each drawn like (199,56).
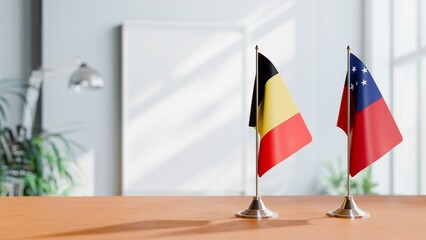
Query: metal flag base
(257,209)
(348,209)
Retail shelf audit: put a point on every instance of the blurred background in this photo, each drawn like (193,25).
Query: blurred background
(172,117)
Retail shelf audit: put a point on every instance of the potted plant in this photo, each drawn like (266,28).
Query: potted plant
(41,164)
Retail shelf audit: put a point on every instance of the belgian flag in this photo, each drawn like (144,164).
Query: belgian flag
(281,127)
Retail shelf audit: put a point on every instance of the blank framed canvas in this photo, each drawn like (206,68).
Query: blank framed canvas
(183,121)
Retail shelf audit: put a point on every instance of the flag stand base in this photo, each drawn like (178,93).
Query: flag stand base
(257,209)
(348,209)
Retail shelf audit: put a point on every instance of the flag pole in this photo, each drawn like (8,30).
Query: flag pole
(349,120)
(348,208)
(257,121)
(257,208)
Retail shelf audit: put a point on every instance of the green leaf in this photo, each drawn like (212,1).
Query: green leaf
(30,182)
(4,101)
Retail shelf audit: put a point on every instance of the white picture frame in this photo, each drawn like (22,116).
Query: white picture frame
(184,110)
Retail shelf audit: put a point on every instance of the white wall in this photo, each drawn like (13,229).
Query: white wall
(305,39)
(394,47)
(15,47)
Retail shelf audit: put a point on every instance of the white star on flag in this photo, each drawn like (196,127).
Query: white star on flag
(364,70)
(353,68)
(352,86)
(364,82)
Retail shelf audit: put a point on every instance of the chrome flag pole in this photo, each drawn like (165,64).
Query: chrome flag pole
(348,208)
(257,208)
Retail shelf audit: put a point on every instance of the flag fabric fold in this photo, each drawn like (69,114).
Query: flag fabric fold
(281,127)
(373,131)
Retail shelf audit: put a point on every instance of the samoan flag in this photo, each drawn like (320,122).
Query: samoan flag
(373,131)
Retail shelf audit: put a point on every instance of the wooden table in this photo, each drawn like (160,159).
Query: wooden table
(392,217)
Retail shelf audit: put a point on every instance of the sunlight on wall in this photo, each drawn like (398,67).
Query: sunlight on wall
(265,13)
(282,40)
(405,33)
(406,114)
(206,51)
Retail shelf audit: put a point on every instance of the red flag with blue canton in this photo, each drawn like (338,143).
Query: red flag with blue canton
(373,131)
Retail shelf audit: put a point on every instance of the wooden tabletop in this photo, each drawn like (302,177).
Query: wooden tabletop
(301,217)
